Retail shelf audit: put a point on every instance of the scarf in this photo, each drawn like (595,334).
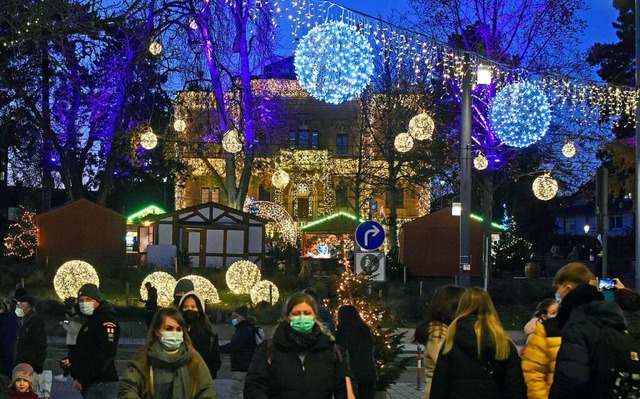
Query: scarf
(302,342)
(170,372)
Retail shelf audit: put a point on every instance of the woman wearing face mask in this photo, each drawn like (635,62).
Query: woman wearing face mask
(299,361)
(200,330)
(167,367)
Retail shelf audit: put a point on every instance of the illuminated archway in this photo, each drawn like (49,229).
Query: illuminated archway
(275,212)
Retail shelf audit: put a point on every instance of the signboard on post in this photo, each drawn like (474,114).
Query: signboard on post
(371,263)
(370,235)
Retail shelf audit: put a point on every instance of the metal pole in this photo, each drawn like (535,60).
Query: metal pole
(636,196)
(465,177)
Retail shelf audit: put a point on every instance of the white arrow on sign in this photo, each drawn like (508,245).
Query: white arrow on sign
(374,230)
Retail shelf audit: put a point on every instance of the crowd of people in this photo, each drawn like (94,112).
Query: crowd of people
(468,353)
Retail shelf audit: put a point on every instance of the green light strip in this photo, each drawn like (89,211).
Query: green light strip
(143,212)
(335,215)
(494,224)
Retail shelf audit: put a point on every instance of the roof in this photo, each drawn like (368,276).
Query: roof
(77,202)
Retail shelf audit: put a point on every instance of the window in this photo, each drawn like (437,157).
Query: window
(342,198)
(264,194)
(615,222)
(303,140)
(342,144)
(205,195)
(571,227)
(215,195)
(303,208)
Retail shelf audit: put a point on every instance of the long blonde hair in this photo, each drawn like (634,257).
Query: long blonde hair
(476,301)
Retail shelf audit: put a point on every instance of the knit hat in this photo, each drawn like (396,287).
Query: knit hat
(92,291)
(23,371)
(241,311)
(26,298)
(184,285)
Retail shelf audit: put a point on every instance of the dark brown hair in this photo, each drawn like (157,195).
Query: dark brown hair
(442,309)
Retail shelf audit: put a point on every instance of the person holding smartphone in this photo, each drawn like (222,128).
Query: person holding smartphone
(629,302)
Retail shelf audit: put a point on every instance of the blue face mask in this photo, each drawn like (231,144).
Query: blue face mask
(234,322)
(558,298)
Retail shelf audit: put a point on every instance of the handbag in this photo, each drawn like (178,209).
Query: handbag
(42,383)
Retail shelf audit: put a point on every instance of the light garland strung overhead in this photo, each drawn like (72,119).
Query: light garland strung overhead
(545,187)
(264,291)
(280,179)
(179,125)
(148,139)
(231,142)
(480,162)
(334,62)
(403,142)
(520,114)
(421,126)
(164,283)
(71,276)
(569,149)
(242,276)
(155,48)
(204,288)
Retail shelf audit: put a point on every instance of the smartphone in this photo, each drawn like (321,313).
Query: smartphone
(606,284)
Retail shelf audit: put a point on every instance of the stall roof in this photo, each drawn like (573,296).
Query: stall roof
(341,222)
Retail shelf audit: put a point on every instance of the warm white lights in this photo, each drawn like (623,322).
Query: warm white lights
(421,126)
(569,149)
(403,142)
(204,288)
(280,179)
(483,75)
(480,162)
(231,142)
(545,187)
(164,283)
(71,276)
(242,276)
(148,139)
(263,291)
(155,48)
(179,125)
(456,209)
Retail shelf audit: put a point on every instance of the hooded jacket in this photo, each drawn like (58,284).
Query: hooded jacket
(582,313)
(241,347)
(31,345)
(93,358)
(539,358)
(280,370)
(462,374)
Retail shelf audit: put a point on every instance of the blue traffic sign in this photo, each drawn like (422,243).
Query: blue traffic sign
(369,235)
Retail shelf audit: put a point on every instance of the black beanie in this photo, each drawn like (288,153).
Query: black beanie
(241,311)
(92,291)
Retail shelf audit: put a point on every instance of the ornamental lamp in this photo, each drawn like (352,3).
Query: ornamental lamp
(483,75)
(545,187)
(148,139)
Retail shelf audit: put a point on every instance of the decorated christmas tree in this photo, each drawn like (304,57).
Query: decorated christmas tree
(22,239)
(511,252)
(352,289)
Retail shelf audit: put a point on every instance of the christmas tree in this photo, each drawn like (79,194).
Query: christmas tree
(22,237)
(352,289)
(511,252)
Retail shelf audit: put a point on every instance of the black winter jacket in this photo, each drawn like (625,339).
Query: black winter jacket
(31,345)
(582,312)
(358,345)
(278,371)
(460,374)
(207,346)
(241,347)
(93,358)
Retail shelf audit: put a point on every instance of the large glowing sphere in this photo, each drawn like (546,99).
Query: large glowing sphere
(280,179)
(164,283)
(71,276)
(545,187)
(569,149)
(204,288)
(242,276)
(179,125)
(403,142)
(480,162)
(155,48)
(421,126)
(262,291)
(148,139)
(520,114)
(334,62)
(231,142)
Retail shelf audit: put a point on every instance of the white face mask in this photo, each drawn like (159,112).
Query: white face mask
(86,308)
(19,312)
(171,340)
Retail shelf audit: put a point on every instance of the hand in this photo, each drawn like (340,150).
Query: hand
(618,284)
(77,385)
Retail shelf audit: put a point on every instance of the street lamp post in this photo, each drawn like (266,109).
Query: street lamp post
(465,177)
(636,196)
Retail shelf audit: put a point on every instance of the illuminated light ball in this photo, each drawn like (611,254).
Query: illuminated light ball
(179,125)
(231,142)
(569,149)
(193,24)
(421,126)
(148,139)
(545,187)
(204,288)
(164,283)
(480,162)
(242,276)
(260,292)
(520,114)
(155,48)
(280,179)
(403,142)
(334,62)
(71,276)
